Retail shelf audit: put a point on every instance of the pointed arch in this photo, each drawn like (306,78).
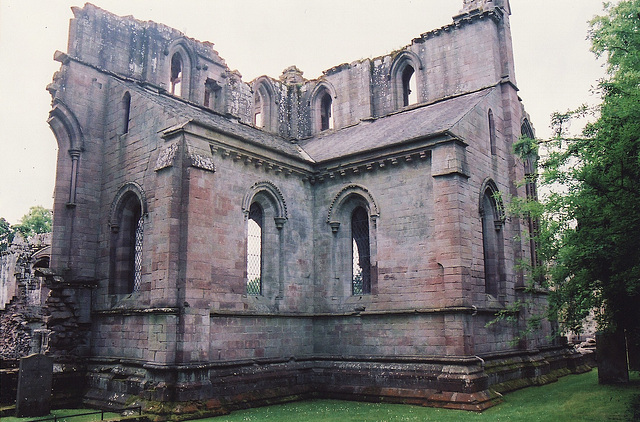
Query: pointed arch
(68,133)
(180,64)
(492,218)
(65,127)
(490,187)
(405,79)
(531,190)
(526,129)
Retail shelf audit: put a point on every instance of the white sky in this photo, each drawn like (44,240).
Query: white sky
(554,68)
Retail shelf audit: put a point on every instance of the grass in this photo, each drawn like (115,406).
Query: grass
(65,415)
(572,398)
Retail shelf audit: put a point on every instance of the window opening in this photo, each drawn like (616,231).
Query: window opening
(491,243)
(176,75)
(326,112)
(126,110)
(409,87)
(360,252)
(258,110)
(212,95)
(42,262)
(254,250)
(137,258)
(126,253)
(492,133)
(532,193)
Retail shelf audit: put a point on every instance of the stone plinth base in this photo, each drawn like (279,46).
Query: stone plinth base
(182,392)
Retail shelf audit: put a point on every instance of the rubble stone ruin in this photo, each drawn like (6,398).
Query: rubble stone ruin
(246,243)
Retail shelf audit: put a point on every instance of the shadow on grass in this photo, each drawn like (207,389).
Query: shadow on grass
(574,397)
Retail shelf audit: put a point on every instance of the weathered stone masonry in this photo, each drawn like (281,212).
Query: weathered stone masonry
(165,155)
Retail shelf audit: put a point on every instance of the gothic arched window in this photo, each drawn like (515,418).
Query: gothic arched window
(404,76)
(176,74)
(531,188)
(360,252)
(265,111)
(126,245)
(254,249)
(492,242)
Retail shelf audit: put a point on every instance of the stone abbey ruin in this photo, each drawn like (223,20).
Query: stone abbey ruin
(224,244)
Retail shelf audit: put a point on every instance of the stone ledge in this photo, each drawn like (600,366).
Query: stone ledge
(445,310)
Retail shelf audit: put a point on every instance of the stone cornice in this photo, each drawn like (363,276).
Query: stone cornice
(383,158)
(418,150)
(269,166)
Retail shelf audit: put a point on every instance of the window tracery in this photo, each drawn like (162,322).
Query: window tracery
(254,250)
(360,252)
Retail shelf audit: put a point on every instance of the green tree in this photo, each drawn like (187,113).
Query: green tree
(6,234)
(37,220)
(589,234)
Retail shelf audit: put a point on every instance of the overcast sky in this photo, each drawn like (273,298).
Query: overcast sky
(554,68)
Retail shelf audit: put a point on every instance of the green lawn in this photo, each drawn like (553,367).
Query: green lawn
(63,416)
(573,398)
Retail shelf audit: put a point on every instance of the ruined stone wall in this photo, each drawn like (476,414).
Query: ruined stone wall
(77,120)
(8,283)
(15,341)
(143,51)
(191,328)
(22,310)
(462,57)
